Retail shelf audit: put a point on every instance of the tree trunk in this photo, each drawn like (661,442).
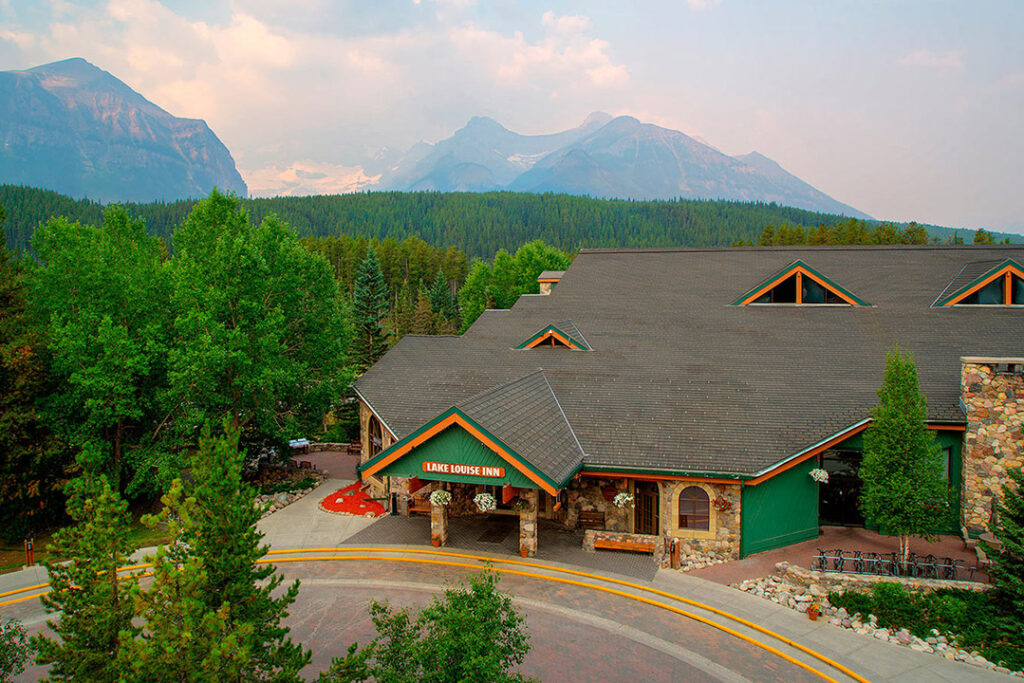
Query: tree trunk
(904,551)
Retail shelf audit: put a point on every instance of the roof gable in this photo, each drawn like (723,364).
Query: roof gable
(974,277)
(564,333)
(798,270)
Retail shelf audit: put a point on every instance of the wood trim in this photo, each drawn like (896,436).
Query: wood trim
(655,477)
(452,419)
(549,279)
(1006,271)
(832,442)
(808,455)
(552,333)
(800,272)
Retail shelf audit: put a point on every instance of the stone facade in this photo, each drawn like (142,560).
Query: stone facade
(722,539)
(993,397)
(528,523)
(438,525)
(377,486)
(591,536)
(595,495)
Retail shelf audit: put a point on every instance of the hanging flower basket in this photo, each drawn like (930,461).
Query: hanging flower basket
(484,502)
(819,475)
(440,497)
(723,504)
(520,504)
(623,500)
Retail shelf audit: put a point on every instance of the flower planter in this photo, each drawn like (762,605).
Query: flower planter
(812,613)
(523,552)
(436,542)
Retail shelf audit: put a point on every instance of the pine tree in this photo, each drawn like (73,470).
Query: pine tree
(14,649)
(370,311)
(441,301)
(221,532)
(95,611)
(184,639)
(423,316)
(1007,569)
(903,492)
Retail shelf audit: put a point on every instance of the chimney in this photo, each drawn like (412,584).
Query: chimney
(548,279)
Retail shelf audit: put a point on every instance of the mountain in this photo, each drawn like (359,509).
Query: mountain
(618,158)
(76,129)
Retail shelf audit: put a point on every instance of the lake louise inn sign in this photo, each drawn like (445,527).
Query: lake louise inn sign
(707,385)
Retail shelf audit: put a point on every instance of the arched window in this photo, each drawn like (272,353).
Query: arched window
(694,508)
(376,436)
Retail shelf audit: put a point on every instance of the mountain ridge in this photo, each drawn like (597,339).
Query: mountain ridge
(74,128)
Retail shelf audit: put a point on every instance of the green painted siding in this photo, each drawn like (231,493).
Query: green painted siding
(455,445)
(780,511)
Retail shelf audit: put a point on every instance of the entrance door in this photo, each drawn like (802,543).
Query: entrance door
(646,508)
(838,498)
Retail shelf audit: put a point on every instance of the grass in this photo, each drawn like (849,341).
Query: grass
(12,556)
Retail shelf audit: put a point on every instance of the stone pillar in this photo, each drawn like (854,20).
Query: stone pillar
(528,523)
(993,397)
(439,525)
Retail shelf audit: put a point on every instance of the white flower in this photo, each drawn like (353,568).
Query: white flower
(623,500)
(819,475)
(440,497)
(484,502)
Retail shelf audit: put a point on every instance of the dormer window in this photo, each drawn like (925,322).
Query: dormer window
(800,285)
(986,285)
(563,334)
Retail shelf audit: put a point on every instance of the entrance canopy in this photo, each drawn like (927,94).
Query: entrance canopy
(512,434)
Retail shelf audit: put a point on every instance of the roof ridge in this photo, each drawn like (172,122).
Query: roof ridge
(564,416)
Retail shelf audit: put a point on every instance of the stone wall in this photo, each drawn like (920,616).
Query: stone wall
(722,539)
(589,495)
(994,441)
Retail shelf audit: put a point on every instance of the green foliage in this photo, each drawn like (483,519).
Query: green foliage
(849,231)
(983,236)
(287,486)
(95,611)
(510,276)
(183,639)
(14,647)
(903,492)
(442,303)
(1007,568)
(260,333)
(471,634)
(972,619)
(370,311)
(32,463)
(102,294)
(221,533)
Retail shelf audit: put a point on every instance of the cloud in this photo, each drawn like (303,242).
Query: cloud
(569,23)
(301,178)
(702,4)
(948,60)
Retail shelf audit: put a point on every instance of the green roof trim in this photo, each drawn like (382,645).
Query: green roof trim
(549,329)
(456,411)
(788,269)
(1008,263)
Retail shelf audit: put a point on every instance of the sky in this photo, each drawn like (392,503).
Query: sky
(904,109)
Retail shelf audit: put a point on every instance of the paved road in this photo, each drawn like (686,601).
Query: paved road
(578,633)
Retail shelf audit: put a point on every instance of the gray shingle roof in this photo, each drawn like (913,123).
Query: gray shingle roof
(968,274)
(551,274)
(679,380)
(526,415)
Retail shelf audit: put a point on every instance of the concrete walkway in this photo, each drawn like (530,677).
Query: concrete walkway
(304,525)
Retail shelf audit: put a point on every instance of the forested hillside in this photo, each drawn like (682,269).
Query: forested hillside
(478,224)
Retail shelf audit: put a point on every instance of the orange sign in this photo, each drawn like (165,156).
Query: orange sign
(467,470)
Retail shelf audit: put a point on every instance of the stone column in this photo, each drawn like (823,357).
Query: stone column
(439,525)
(528,523)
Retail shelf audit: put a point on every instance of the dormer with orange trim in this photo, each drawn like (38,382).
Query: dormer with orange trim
(549,279)
(982,284)
(562,334)
(799,284)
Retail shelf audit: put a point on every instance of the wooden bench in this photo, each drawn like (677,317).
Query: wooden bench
(419,506)
(592,519)
(635,546)
(354,447)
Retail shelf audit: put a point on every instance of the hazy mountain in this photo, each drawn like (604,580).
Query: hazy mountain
(74,128)
(604,157)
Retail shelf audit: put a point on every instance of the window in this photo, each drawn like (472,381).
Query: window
(376,436)
(1002,285)
(799,284)
(946,455)
(811,293)
(694,509)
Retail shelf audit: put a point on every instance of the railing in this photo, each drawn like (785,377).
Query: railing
(889,564)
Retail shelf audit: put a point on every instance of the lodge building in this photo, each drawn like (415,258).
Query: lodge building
(707,384)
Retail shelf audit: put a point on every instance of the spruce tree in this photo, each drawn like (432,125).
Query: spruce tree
(423,316)
(903,492)
(441,300)
(95,610)
(14,649)
(370,311)
(1007,569)
(221,532)
(184,639)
